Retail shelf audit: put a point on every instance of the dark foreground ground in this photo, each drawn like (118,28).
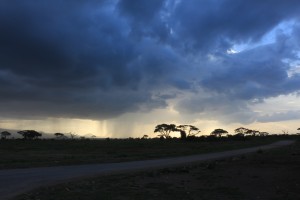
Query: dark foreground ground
(272,174)
(44,153)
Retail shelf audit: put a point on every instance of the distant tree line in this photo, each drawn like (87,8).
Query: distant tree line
(186,131)
(32,134)
(189,131)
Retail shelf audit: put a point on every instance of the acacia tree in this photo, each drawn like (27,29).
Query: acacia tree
(30,134)
(263,133)
(253,132)
(59,135)
(145,137)
(164,130)
(218,132)
(245,131)
(241,131)
(188,131)
(5,134)
(298,130)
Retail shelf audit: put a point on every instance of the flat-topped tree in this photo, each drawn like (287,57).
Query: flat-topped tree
(145,137)
(218,132)
(251,132)
(30,134)
(246,131)
(188,131)
(263,133)
(254,132)
(241,131)
(59,135)
(5,134)
(165,130)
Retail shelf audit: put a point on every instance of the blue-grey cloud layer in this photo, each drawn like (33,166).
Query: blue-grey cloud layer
(99,59)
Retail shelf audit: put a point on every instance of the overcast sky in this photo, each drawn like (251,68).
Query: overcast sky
(119,67)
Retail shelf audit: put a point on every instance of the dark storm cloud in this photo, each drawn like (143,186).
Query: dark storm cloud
(216,25)
(143,11)
(100,59)
(248,75)
(240,80)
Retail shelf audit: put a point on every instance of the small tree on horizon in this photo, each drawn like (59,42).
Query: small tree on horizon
(5,134)
(219,132)
(60,135)
(30,134)
(145,137)
(73,135)
(253,132)
(263,133)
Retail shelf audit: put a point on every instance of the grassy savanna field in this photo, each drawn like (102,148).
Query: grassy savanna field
(272,174)
(41,153)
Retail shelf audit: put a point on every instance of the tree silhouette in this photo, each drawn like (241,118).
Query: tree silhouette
(241,131)
(245,131)
(5,134)
(218,132)
(145,137)
(59,135)
(253,132)
(30,134)
(188,131)
(165,130)
(263,133)
(182,134)
(73,135)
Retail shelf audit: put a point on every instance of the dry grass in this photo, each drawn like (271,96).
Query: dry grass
(270,174)
(36,153)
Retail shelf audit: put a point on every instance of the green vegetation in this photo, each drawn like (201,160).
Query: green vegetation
(21,153)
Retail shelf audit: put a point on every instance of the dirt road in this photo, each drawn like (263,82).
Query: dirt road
(17,181)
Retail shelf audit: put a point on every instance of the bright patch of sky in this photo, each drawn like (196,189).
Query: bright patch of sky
(285,28)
